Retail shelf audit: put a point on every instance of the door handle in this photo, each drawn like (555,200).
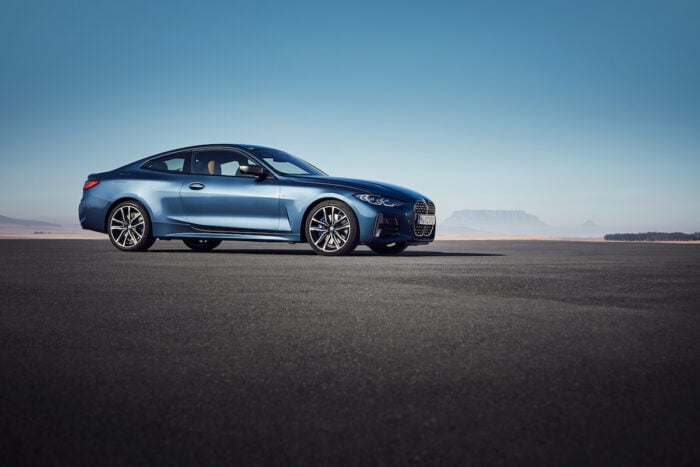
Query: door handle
(196,186)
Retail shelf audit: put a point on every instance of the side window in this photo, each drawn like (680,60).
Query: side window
(220,162)
(177,162)
(230,168)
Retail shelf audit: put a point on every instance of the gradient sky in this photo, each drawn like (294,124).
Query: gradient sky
(569,110)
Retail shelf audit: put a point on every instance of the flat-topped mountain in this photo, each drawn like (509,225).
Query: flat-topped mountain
(516,222)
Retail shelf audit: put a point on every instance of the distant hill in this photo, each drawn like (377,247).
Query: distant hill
(655,237)
(9,221)
(483,221)
(589,229)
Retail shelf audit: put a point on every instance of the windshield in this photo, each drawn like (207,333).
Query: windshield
(284,163)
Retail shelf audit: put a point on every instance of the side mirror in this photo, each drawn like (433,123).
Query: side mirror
(256,170)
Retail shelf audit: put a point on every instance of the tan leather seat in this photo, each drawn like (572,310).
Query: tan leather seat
(214,168)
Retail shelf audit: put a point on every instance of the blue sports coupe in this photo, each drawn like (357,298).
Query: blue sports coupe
(205,194)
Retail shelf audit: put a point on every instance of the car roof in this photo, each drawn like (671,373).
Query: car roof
(139,162)
(208,146)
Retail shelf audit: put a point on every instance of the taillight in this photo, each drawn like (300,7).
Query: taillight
(89,184)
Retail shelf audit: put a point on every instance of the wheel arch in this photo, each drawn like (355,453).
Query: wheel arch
(316,202)
(121,200)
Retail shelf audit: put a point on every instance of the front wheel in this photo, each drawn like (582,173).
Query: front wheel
(201,244)
(388,248)
(129,227)
(331,228)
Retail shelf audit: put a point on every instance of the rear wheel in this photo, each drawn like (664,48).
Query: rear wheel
(129,227)
(388,248)
(331,228)
(201,244)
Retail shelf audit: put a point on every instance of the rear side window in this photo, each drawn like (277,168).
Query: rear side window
(177,162)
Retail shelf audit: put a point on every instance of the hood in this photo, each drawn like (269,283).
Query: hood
(364,186)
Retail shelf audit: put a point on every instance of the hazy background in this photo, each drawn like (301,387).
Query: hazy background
(568,110)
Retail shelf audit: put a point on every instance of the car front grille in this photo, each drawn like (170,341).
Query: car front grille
(421,207)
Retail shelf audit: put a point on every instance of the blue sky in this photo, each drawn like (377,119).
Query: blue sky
(568,110)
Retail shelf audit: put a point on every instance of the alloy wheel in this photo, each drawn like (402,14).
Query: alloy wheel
(129,227)
(331,229)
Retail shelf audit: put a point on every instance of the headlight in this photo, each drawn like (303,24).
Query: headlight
(380,200)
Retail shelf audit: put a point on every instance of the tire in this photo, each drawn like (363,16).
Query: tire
(129,227)
(201,244)
(388,248)
(331,228)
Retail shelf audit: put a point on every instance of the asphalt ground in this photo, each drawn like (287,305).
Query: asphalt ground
(458,353)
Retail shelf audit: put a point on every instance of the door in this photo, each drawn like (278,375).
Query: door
(217,197)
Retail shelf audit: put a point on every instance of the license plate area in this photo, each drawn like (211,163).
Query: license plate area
(425,219)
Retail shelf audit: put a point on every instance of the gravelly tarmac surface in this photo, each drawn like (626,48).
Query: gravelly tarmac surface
(459,353)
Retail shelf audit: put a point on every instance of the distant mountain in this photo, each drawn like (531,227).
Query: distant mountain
(589,229)
(494,222)
(9,221)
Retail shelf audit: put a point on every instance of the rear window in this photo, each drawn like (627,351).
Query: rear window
(177,162)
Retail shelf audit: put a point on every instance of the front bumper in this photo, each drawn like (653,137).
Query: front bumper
(401,225)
